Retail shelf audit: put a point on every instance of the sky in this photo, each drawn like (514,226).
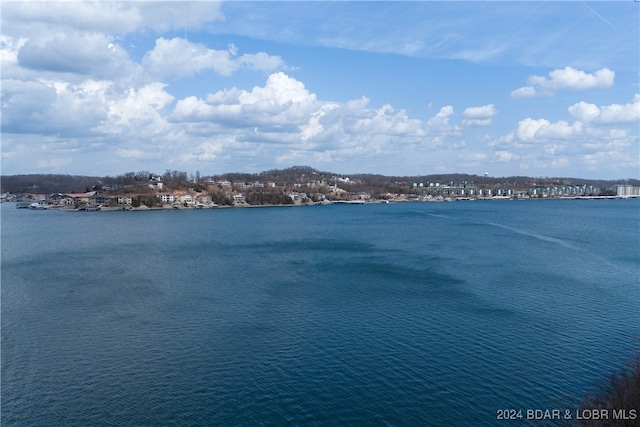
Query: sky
(542,89)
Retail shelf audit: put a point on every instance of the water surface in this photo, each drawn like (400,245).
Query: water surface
(398,314)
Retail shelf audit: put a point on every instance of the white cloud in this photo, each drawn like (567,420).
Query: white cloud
(283,102)
(139,111)
(483,112)
(80,40)
(608,114)
(584,112)
(314,127)
(261,61)
(572,79)
(280,89)
(73,83)
(10,46)
(180,57)
(53,163)
(524,92)
(109,17)
(81,53)
(505,156)
(567,78)
(282,120)
(440,133)
(478,116)
(441,119)
(206,151)
(582,145)
(137,154)
(611,159)
(53,106)
(532,131)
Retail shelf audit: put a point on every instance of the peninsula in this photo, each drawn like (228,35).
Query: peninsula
(298,185)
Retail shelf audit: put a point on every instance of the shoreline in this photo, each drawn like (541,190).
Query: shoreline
(323,203)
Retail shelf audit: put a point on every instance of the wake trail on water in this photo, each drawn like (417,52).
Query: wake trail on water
(542,237)
(520,231)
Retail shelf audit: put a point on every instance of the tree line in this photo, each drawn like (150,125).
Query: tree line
(137,182)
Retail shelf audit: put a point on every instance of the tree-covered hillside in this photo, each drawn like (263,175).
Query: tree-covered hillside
(289,177)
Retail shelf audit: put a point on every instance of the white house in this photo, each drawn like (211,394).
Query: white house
(155,183)
(167,198)
(185,198)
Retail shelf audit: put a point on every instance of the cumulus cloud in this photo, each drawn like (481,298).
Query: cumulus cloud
(478,116)
(88,54)
(53,106)
(10,46)
(283,102)
(531,130)
(543,144)
(109,17)
(180,57)
(80,40)
(440,133)
(314,126)
(139,111)
(608,114)
(584,112)
(567,78)
(441,119)
(74,82)
(261,61)
(207,151)
(524,92)
(570,78)
(284,121)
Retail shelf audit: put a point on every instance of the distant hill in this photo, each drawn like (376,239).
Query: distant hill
(45,184)
(49,183)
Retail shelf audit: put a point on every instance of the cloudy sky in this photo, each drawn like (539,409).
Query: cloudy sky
(398,88)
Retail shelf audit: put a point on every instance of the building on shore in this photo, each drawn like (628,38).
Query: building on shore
(626,190)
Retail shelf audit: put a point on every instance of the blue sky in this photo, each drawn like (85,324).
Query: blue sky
(398,88)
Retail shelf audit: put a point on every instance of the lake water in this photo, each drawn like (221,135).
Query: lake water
(396,314)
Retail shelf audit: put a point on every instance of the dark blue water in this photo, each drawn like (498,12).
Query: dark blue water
(399,314)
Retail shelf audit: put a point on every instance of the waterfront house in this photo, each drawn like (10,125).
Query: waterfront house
(298,196)
(80,198)
(166,198)
(99,199)
(125,200)
(185,199)
(57,199)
